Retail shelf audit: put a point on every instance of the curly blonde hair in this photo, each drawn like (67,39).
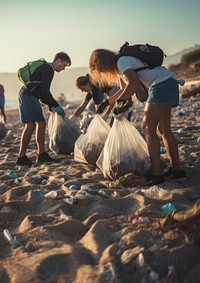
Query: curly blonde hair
(103,67)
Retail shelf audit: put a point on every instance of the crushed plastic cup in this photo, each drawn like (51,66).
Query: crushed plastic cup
(51,194)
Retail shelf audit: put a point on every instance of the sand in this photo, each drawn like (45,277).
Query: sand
(113,234)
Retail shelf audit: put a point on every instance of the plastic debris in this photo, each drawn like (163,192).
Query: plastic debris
(70,200)
(128,255)
(171,271)
(103,193)
(163,150)
(194,197)
(63,216)
(17,242)
(36,192)
(8,237)
(12,174)
(7,183)
(18,181)
(51,194)
(73,187)
(156,193)
(168,207)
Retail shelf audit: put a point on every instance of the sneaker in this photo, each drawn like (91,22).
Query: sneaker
(44,157)
(24,161)
(156,179)
(175,174)
(148,176)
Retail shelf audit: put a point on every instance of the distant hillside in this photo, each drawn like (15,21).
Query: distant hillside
(63,82)
(176,58)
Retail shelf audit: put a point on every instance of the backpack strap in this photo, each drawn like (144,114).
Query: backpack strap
(141,69)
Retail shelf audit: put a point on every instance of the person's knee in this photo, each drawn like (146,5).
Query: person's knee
(148,130)
(164,132)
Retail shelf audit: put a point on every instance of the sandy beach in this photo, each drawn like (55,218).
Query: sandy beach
(110,234)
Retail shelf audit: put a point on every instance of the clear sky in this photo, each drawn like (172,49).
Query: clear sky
(33,29)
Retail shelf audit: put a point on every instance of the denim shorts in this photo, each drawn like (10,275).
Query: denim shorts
(30,109)
(165,93)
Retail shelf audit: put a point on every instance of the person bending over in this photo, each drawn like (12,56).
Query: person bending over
(106,67)
(31,114)
(93,92)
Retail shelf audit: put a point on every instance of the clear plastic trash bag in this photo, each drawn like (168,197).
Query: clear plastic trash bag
(89,145)
(63,134)
(125,151)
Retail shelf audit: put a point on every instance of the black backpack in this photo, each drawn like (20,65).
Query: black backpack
(150,55)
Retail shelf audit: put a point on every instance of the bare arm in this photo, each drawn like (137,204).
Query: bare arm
(81,108)
(131,85)
(3,114)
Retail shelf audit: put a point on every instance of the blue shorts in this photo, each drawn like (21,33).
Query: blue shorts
(165,93)
(30,109)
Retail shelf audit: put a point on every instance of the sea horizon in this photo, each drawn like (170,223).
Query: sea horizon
(11,104)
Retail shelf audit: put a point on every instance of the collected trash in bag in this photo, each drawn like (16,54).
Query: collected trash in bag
(84,123)
(62,134)
(89,145)
(125,151)
(3,129)
(188,221)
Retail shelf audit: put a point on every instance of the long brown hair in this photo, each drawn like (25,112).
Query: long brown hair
(103,67)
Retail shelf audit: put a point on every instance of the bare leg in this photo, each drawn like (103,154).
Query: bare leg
(40,136)
(3,114)
(26,137)
(169,140)
(151,119)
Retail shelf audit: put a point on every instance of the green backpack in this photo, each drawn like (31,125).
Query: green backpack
(25,72)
